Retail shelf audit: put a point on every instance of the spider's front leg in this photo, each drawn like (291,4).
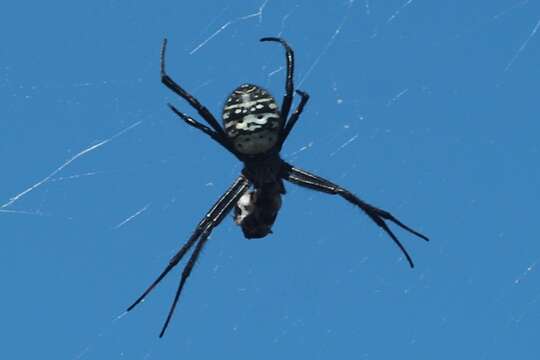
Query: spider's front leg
(314,182)
(212,219)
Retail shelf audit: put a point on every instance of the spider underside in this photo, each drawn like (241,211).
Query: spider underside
(254,131)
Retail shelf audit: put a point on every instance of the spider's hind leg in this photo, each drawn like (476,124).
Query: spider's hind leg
(314,182)
(304,97)
(220,139)
(289,86)
(172,85)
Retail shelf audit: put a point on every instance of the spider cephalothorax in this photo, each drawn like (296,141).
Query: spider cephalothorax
(251,120)
(254,131)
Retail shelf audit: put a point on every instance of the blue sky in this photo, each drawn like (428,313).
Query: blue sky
(426,109)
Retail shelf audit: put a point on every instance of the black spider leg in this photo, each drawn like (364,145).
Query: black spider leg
(186,272)
(238,187)
(305,179)
(210,220)
(207,115)
(190,121)
(289,56)
(304,97)
(198,248)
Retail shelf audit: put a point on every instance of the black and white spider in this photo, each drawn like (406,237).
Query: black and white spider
(254,131)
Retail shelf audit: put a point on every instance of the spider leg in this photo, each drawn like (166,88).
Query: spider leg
(198,248)
(289,56)
(216,214)
(171,84)
(185,274)
(314,182)
(304,97)
(190,121)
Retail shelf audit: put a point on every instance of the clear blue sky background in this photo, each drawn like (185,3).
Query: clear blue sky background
(428,109)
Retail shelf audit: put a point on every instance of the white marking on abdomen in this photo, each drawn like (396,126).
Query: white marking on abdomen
(248,104)
(252,122)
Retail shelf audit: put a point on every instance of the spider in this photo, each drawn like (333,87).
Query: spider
(254,132)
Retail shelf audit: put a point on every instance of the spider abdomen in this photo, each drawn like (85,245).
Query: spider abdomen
(251,119)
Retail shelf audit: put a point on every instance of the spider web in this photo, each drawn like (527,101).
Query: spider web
(90,197)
